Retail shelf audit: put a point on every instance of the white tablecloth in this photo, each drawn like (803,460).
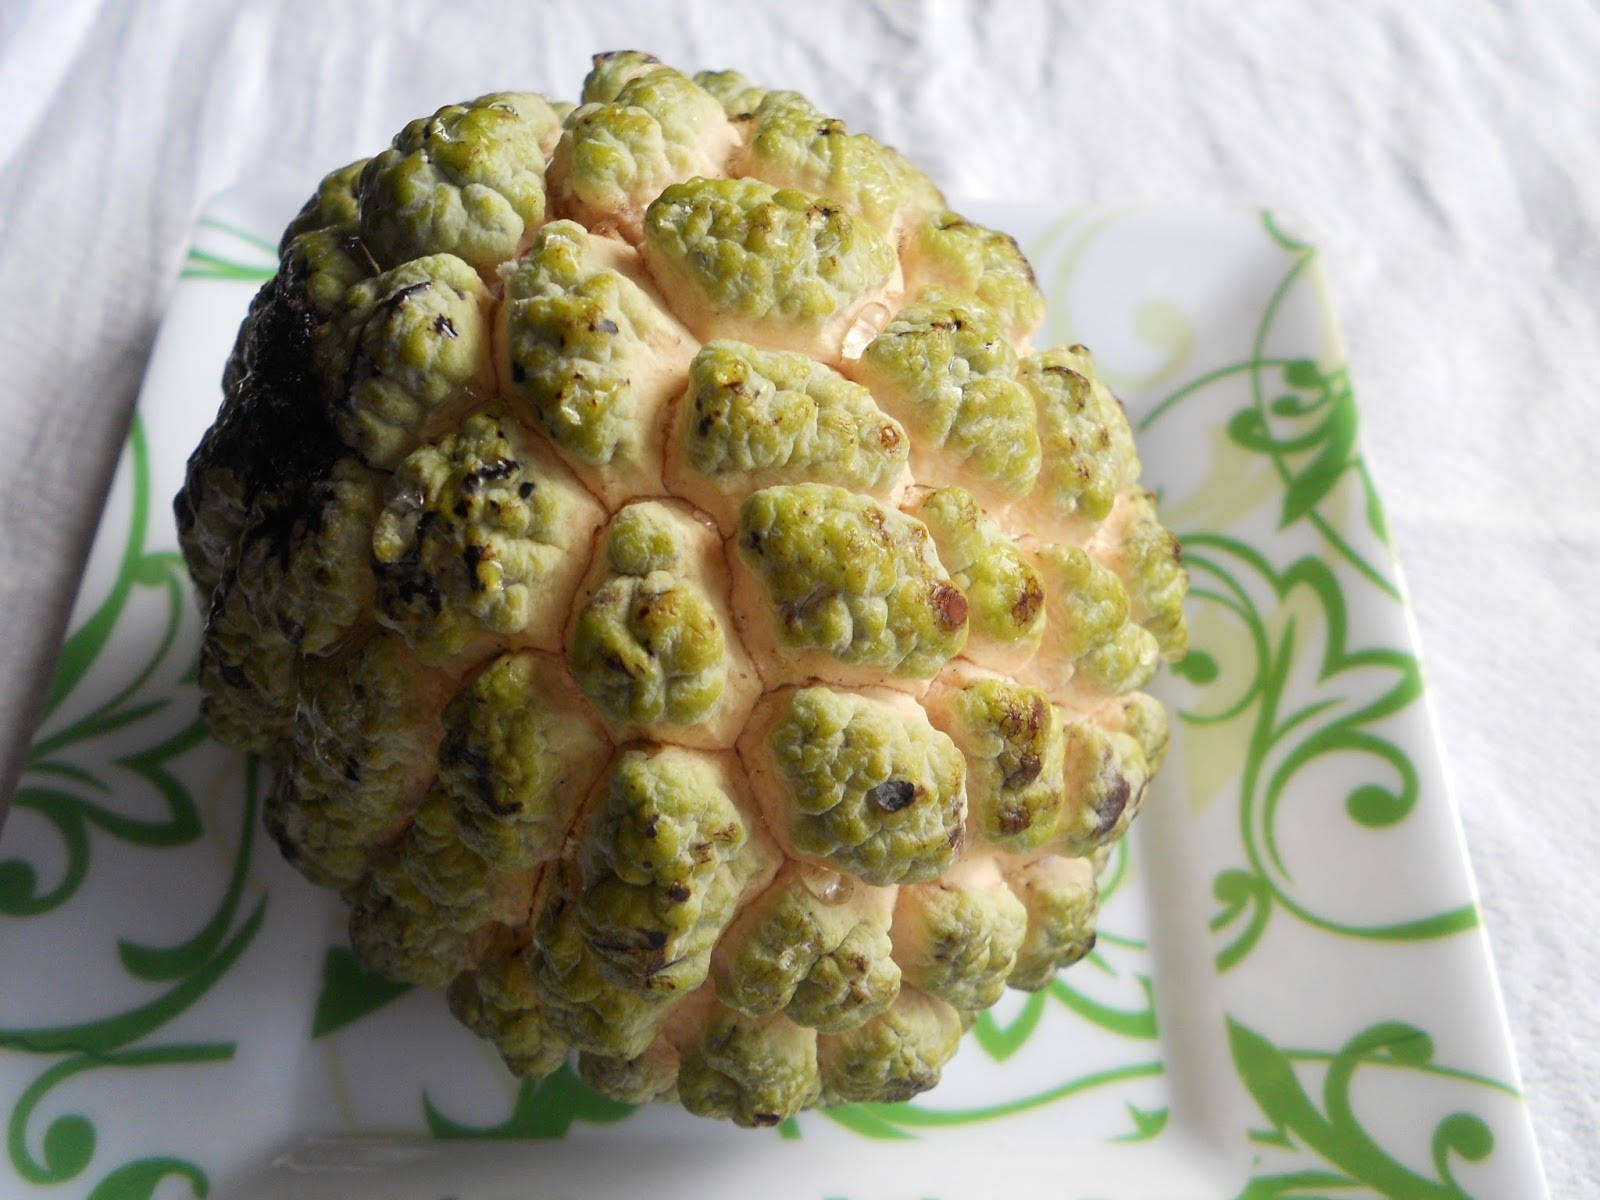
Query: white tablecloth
(1445,154)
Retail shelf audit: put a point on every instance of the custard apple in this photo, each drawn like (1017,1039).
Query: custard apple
(683,614)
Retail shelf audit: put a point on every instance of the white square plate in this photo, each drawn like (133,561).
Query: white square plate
(1291,996)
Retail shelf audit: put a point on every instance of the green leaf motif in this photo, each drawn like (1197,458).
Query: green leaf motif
(546,1109)
(1308,433)
(1316,444)
(1146,1123)
(83,807)
(140,1178)
(350,992)
(1129,1023)
(1334,1133)
(252,259)
(867,1121)
(900,1120)
(999,1041)
(61,791)
(1290,724)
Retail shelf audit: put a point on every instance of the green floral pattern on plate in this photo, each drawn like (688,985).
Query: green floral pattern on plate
(1300,709)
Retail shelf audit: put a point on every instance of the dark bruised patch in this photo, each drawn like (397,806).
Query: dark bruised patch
(397,300)
(278,831)
(234,677)
(273,434)
(1025,772)
(949,606)
(1028,602)
(444,326)
(1027,267)
(1013,820)
(892,795)
(490,472)
(765,1118)
(1109,812)
(472,555)
(677,893)
(456,752)
(519,373)
(1023,717)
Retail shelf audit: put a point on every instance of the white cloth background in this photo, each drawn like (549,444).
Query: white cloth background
(1445,155)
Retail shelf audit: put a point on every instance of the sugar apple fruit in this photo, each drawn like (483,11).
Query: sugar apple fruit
(683,614)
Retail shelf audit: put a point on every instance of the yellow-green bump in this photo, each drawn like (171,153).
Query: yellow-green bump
(586,1008)
(577,332)
(1060,899)
(816,949)
(943,366)
(444,868)
(466,181)
(1088,448)
(750,1070)
(358,760)
(1011,737)
(407,350)
(647,645)
(871,788)
(1104,778)
(794,145)
(334,205)
(646,1077)
(496,1000)
(320,266)
(518,756)
(778,261)
(896,1055)
(291,591)
(617,155)
(755,418)
(949,250)
(482,534)
(1005,594)
(1143,718)
(399,931)
(1149,561)
(853,579)
(737,95)
(613,70)
(957,939)
(664,863)
(1090,632)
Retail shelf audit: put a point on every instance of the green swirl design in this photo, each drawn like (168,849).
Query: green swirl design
(1334,1134)
(1294,726)
(1308,431)
(63,791)
(259,261)
(71,802)
(546,1109)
